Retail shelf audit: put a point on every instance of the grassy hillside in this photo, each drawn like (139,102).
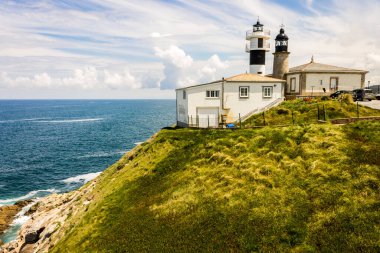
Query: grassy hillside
(306,112)
(292,189)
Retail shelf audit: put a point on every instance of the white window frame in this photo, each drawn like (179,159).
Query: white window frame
(267,91)
(212,93)
(241,88)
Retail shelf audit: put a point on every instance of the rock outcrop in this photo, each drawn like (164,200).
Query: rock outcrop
(7,213)
(48,217)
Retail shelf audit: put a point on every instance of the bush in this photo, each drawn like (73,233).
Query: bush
(283,111)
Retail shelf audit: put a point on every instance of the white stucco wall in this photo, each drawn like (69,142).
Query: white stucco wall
(182,106)
(197,97)
(235,104)
(197,101)
(288,78)
(345,81)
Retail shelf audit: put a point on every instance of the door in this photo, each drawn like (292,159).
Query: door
(333,84)
(208,117)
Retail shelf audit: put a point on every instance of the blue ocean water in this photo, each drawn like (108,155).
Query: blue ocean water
(56,145)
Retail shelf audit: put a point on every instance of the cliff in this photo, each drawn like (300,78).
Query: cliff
(303,188)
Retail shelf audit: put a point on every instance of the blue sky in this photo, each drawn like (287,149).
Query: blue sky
(145,49)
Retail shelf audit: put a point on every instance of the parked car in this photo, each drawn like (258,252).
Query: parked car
(338,93)
(363,94)
(378,96)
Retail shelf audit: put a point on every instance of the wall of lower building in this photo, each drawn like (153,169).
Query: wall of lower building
(182,107)
(316,82)
(228,105)
(308,84)
(296,91)
(235,105)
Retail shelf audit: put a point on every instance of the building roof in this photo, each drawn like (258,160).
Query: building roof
(319,67)
(245,77)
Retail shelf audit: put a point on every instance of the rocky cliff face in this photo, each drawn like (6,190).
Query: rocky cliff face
(8,213)
(48,217)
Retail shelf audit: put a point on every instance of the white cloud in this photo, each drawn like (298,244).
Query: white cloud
(212,66)
(174,55)
(86,78)
(180,70)
(121,80)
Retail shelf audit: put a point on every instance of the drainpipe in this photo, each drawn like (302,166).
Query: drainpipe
(223,93)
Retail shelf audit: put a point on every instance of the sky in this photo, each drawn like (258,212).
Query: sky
(132,49)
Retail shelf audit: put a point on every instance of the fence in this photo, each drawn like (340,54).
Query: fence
(298,114)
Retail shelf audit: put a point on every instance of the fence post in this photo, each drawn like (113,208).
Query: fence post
(318,112)
(324,113)
(188,120)
(292,117)
(357,108)
(197,120)
(208,120)
(264,118)
(239,120)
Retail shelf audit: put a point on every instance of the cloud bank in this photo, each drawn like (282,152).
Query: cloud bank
(108,47)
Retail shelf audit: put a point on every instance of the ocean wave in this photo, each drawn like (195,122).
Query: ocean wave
(20,120)
(138,143)
(103,154)
(20,218)
(81,178)
(29,195)
(70,120)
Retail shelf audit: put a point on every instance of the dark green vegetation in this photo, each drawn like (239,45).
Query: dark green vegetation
(309,188)
(300,112)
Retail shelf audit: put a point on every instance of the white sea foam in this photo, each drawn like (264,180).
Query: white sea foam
(21,218)
(26,196)
(70,120)
(81,178)
(20,120)
(138,143)
(103,154)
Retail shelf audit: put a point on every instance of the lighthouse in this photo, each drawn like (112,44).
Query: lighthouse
(257,45)
(281,55)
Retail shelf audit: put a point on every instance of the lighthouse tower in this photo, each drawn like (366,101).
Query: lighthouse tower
(281,55)
(258,44)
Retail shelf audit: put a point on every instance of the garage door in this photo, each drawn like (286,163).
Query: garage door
(208,116)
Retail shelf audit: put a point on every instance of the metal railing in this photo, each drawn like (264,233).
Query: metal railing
(248,47)
(250,33)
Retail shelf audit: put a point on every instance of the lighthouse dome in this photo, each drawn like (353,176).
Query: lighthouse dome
(282,35)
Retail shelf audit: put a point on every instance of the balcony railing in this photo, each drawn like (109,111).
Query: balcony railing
(250,34)
(266,46)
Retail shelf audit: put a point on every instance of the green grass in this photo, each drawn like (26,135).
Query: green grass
(306,112)
(294,189)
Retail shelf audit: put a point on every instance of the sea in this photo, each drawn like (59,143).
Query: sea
(53,146)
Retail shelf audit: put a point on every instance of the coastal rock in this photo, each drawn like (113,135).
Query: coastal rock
(48,216)
(33,236)
(7,213)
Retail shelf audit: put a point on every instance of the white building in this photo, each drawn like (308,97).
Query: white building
(227,100)
(316,79)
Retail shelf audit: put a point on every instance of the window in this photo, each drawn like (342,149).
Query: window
(321,82)
(184,94)
(244,91)
(212,94)
(293,84)
(260,42)
(267,92)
